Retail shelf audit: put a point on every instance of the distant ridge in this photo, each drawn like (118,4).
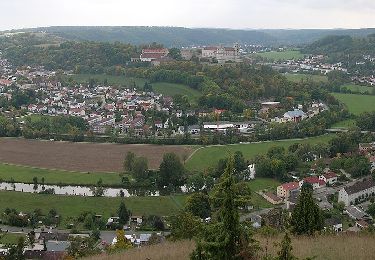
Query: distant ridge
(179,36)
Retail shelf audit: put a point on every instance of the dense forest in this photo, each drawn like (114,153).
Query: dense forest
(81,57)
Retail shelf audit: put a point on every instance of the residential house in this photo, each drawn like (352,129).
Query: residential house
(329,178)
(334,224)
(272,198)
(315,182)
(288,189)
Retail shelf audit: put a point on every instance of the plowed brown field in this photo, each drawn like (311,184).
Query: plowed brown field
(84,157)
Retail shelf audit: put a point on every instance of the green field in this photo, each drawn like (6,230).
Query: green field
(357,104)
(344,124)
(26,174)
(72,206)
(209,156)
(358,88)
(113,80)
(170,89)
(259,184)
(10,238)
(299,77)
(281,55)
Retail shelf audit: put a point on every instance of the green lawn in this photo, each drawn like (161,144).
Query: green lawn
(259,202)
(358,88)
(345,124)
(299,77)
(10,238)
(259,184)
(72,206)
(357,104)
(170,89)
(26,174)
(282,55)
(114,80)
(210,155)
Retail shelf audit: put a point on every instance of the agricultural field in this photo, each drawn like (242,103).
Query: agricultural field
(299,77)
(358,88)
(26,174)
(81,157)
(209,156)
(72,206)
(357,104)
(282,55)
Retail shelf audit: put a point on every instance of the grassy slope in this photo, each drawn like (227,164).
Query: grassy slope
(283,55)
(358,88)
(263,183)
(168,89)
(210,155)
(298,77)
(345,124)
(357,104)
(26,174)
(70,206)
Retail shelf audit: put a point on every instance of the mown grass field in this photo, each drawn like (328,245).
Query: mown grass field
(167,89)
(345,124)
(282,55)
(26,174)
(10,238)
(72,206)
(300,77)
(358,88)
(210,155)
(356,103)
(263,183)
(170,89)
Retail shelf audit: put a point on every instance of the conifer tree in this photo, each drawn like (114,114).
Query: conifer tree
(307,217)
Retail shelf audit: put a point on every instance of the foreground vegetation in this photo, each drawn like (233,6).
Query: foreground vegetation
(344,247)
(210,155)
(73,206)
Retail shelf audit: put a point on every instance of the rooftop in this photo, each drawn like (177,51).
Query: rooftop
(360,186)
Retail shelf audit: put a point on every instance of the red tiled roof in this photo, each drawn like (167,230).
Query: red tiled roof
(159,51)
(152,55)
(314,179)
(290,185)
(330,175)
(210,48)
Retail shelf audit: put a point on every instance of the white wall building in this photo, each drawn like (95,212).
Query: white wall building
(359,190)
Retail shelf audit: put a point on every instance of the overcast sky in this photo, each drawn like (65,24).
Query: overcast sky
(189,13)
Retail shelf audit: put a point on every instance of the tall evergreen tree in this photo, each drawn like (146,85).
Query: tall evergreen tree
(225,238)
(123,213)
(307,217)
(285,252)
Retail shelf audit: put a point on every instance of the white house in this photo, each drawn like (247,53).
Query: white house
(329,177)
(220,126)
(359,190)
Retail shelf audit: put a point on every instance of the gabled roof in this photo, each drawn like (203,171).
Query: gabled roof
(330,175)
(360,186)
(290,186)
(314,179)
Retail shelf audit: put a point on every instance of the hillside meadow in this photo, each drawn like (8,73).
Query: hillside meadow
(282,55)
(356,103)
(338,247)
(166,89)
(209,156)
